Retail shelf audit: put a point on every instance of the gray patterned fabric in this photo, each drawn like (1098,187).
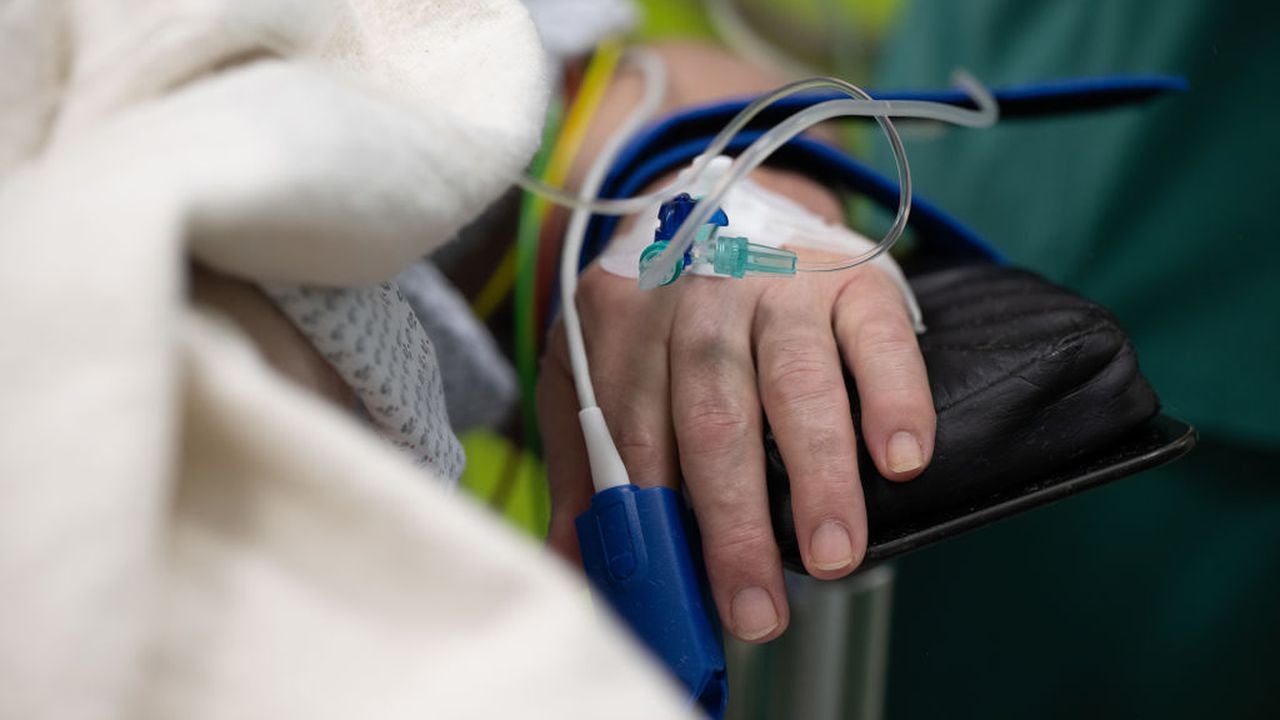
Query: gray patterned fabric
(479,383)
(372,338)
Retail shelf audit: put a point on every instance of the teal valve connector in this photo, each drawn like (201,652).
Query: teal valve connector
(638,555)
(736,257)
(655,249)
(731,256)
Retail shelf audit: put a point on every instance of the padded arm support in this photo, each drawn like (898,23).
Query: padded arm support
(1028,380)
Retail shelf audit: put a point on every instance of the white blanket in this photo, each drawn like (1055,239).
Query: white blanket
(183,533)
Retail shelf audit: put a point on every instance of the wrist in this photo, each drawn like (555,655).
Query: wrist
(801,189)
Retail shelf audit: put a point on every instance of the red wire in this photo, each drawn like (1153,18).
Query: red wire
(548,262)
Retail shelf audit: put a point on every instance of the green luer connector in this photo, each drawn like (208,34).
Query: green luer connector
(736,257)
(652,252)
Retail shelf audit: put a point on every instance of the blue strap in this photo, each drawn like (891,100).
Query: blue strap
(946,236)
(676,140)
(1020,102)
(1027,101)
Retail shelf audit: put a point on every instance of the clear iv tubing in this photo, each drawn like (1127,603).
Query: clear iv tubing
(984,116)
(781,134)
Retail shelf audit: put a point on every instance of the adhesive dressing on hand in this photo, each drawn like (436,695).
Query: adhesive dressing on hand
(765,218)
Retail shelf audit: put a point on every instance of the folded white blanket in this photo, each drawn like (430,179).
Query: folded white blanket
(183,533)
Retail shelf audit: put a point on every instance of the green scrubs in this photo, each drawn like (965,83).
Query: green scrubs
(1158,596)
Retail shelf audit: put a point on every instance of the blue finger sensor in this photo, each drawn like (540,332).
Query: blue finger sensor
(636,550)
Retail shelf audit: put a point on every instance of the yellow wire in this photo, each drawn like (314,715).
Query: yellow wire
(595,81)
(569,140)
(497,287)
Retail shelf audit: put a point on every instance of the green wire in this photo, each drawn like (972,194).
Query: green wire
(532,210)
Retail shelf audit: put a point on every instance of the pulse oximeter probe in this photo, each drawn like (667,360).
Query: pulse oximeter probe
(636,550)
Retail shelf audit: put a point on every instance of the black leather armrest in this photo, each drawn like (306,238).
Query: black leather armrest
(1034,387)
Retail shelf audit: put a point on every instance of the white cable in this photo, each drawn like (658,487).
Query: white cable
(607,469)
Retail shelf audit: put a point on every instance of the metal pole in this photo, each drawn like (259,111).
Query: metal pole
(830,664)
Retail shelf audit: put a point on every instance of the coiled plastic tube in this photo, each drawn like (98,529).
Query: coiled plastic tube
(863,106)
(983,117)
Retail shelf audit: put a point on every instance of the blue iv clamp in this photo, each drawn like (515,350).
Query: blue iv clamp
(731,256)
(637,553)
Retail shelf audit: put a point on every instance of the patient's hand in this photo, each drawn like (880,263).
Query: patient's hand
(683,373)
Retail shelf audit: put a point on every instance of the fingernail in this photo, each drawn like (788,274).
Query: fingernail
(904,453)
(830,548)
(753,614)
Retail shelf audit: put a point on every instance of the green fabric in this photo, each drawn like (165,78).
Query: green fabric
(1159,596)
(672,19)
(1162,212)
(1155,597)
(512,481)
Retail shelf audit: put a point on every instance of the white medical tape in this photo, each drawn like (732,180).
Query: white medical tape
(763,217)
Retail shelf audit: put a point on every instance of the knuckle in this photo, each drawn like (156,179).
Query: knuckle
(708,337)
(871,279)
(641,449)
(711,350)
(829,443)
(890,362)
(715,424)
(886,334)
(893,367)
(824,478)
(775,300)
(872,295)
(802,379)
(741,543)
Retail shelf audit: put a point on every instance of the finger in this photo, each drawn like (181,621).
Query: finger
(568,475)
(717,422)
(879,343)
(802,387)
(626,332)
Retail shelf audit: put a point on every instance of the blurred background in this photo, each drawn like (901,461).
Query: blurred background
(1153,597)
